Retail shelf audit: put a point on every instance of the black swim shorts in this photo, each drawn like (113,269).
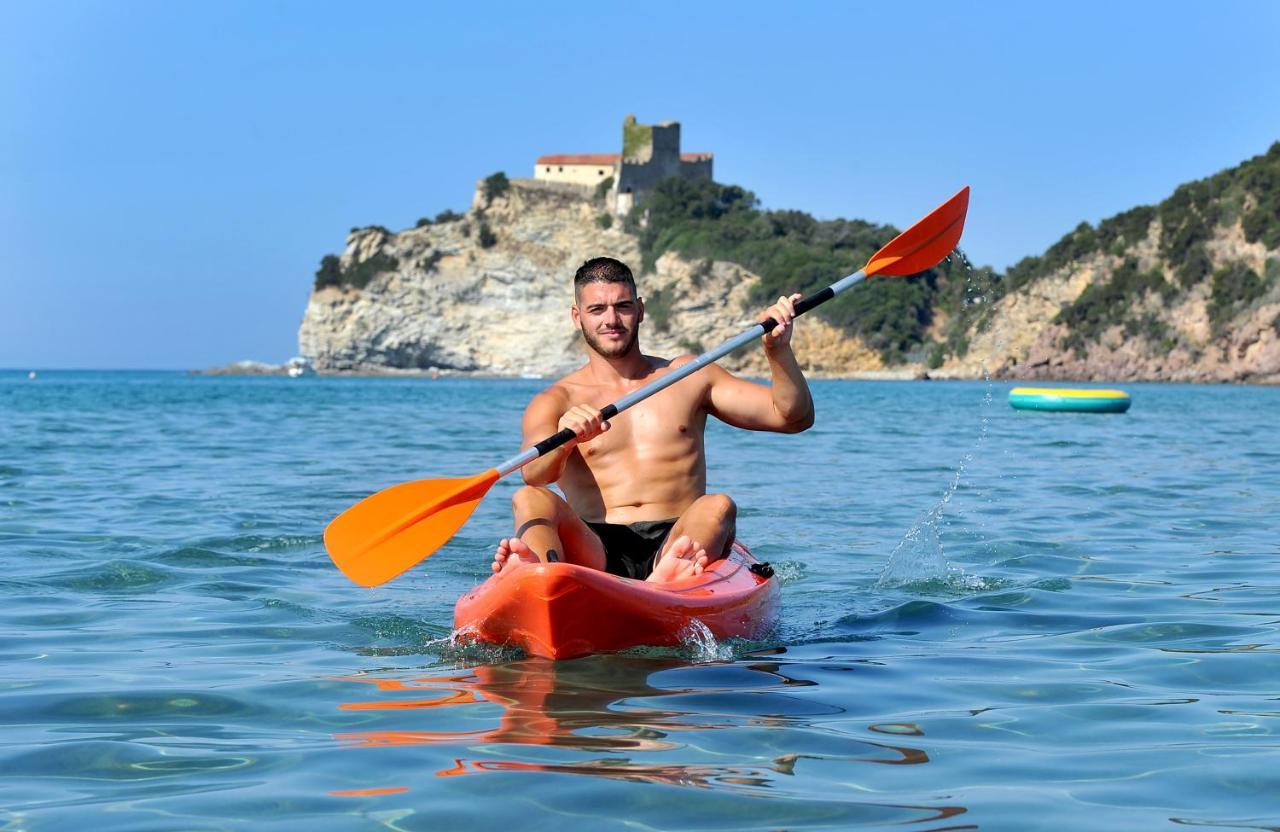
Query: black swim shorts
(630,550)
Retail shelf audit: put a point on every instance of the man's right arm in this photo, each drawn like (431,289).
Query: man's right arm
(547,415)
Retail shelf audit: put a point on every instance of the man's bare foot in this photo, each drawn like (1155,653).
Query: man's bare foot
(683,559)
(512,552)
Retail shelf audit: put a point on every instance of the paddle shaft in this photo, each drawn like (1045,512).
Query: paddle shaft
(549,444)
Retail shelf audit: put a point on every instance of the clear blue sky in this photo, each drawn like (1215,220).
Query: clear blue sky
(172,172)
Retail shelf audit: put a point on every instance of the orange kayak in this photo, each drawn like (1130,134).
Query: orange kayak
(560,611)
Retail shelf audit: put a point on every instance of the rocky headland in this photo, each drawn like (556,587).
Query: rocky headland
(1188,290)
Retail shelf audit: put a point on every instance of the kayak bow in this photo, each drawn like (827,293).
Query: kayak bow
(561,610)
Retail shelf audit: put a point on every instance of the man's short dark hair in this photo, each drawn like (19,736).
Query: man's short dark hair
(603,270)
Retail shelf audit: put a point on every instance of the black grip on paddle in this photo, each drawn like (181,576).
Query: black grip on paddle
(549,444)
(813,300)
(802,306)
(552,442)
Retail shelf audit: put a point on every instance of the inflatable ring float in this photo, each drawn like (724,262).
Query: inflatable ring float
(1070,400)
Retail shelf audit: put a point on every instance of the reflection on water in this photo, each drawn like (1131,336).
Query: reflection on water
(617,709)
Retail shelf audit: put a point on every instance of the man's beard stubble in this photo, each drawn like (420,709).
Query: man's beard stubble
(616,350)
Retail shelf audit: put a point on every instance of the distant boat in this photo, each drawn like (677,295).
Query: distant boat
(32,375)
(298,366)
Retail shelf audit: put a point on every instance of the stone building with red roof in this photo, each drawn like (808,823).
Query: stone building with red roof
(650,153)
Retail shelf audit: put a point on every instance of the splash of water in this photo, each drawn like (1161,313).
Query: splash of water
(919,560)
(698,639)
(463,648)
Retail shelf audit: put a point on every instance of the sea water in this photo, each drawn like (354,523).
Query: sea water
(991,619)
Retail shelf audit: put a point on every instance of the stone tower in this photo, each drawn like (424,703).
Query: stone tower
(651,153)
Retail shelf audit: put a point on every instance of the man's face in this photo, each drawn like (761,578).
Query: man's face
(609,315)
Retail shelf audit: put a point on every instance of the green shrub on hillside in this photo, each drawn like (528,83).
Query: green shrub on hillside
(657,308)
(1234,287)
(381,228)
(792,252)
(1187,220)
(1077,245)
(495,185)
(937,355)
(1128,228)
(331,272)
(366,270)
(602,189)
(1153,329)
(1261,178)
(442,217)
(1107,304)
(1194,267)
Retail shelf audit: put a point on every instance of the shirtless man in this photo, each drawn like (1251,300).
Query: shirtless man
(636,489)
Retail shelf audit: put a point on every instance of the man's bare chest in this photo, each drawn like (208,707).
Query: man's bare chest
(670,423)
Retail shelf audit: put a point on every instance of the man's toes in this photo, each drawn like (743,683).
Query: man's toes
(520,549)
(681,548)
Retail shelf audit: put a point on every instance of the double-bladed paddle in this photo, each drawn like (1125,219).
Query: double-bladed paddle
(389,532)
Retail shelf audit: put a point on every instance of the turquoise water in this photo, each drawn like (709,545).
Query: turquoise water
(991,620)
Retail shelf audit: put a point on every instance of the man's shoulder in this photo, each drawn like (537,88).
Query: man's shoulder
(564,392)
(678,361)
(710,373)
(559,391)
(675,362)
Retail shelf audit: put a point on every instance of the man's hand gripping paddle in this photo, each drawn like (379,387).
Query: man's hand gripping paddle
(389,532)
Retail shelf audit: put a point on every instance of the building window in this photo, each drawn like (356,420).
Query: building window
(561,169)
(548,169)
(599,173)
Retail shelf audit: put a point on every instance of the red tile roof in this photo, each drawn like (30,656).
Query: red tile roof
(598,159)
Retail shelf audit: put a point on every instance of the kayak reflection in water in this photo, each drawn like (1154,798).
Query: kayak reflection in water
(635,491)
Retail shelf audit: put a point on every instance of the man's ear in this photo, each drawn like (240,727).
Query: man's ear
(576,315)
(640,306)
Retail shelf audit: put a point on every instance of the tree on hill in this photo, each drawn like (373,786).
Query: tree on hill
(793,252)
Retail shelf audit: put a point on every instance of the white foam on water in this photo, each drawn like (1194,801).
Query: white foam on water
(464,647)
(698,639)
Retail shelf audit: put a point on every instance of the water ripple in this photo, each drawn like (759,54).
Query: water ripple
(988,621)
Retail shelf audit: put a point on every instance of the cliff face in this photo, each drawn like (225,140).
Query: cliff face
(1187,290)
(448,302)
(490,293)
(1195,333)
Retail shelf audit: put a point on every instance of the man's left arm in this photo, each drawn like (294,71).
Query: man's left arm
(786,406)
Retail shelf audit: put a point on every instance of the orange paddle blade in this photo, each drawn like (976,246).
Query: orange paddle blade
(923,245)
(388,532)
